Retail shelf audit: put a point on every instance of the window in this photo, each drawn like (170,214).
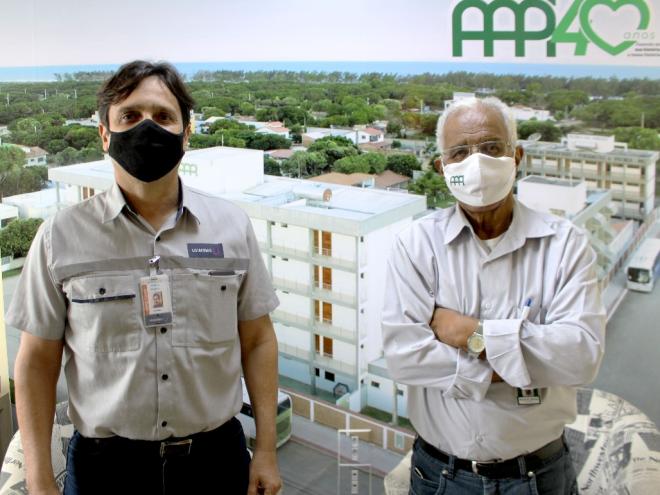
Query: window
(361,238)
(317,372)
(399,392)
(375,384)
(284,225)
(362,275)
(329,376)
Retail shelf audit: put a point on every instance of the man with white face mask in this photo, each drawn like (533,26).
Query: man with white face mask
(492,317)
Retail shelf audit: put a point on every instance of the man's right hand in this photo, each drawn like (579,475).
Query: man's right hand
(36,372)
(50,489)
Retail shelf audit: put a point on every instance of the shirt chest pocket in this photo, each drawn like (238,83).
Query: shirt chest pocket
(205,306)
(103,313)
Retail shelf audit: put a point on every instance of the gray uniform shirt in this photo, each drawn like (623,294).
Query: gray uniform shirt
(452,404)
(81,282)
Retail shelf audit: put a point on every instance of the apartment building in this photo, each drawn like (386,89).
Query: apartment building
(590,209)
(602,163)
(325,246)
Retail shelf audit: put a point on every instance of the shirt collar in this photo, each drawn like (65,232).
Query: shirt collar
(526,223)
(116,202)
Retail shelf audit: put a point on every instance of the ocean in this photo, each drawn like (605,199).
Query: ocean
(47,73)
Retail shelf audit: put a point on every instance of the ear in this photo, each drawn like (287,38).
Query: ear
(105,137)
(186,135)
(437,164)
(518,155)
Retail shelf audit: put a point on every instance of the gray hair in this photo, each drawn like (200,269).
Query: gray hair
(490,102)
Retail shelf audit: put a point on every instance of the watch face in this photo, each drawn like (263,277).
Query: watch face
(476,343)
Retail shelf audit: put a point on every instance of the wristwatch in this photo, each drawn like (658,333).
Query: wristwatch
(476,342)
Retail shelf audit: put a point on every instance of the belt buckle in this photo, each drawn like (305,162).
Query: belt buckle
(180,448)
(475,465)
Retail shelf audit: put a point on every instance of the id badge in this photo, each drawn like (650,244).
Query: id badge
(156,300)
(528,397)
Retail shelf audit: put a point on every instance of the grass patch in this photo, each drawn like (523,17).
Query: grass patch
(386,417)
(12,273)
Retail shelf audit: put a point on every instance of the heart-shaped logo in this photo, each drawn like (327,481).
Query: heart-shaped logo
(613,5)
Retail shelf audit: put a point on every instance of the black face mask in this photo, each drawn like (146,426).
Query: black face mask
(146,151)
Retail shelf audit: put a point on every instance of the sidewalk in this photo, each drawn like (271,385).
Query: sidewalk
(325,438)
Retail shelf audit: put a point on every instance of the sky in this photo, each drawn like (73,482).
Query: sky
(94,32)
(66,32)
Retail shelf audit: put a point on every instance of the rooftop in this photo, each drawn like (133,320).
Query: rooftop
(617,154)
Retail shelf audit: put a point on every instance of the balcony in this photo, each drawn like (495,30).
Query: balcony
(291,319)
(325,327)
(327,361)
(324,258)
(329,329)
(322,360)
(295,352)
(325,293)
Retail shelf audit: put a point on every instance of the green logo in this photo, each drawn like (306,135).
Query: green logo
(613,5)
(552,32)
(457,180)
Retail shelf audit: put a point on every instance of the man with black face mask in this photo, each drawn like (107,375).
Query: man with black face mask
(158,297)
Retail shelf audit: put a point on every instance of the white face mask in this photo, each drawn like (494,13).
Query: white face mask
(481,180)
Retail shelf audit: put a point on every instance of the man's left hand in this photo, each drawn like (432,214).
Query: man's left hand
(453,328)
(264,474)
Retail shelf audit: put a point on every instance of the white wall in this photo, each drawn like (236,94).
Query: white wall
(259,227)
(294,304)
(378,245)
(343,246)
(292,336)
(343,352)
(209,169)
(382,396)
(343,317)
(292,270)
(290,236)
(343,281)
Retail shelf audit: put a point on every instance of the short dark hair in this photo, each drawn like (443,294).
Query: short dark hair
(130,75)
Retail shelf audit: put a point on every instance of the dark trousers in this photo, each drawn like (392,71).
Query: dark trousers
(214,462)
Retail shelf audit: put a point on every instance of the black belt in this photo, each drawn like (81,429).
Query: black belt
(497,470)
(170,447)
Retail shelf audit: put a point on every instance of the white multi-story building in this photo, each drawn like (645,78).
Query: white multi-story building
(603,164)
(325,246)
(590,209)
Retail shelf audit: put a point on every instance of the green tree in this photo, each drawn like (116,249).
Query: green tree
(12,160)
(638,138)
(433,186)
(366,163)
(334,148)
(271,166)
(394,127)
(403,164)
(548,130)
(17,236)
(304,164)
(262,141)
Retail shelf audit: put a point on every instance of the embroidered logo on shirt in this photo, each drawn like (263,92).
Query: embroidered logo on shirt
(205,251)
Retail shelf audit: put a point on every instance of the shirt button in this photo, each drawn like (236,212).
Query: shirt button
(102,290)
(163,330)
(158,238)
(163,424)
(164,377)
